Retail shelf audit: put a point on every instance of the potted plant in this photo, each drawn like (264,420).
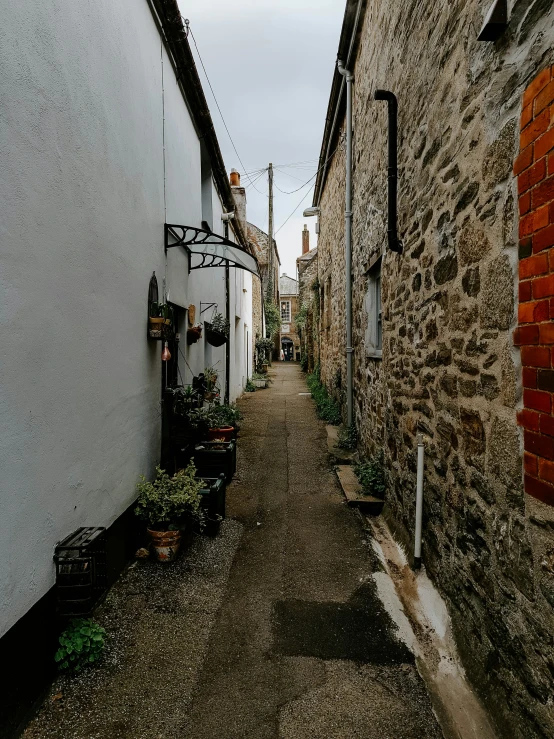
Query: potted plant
(259,380)
(224,422)
(217,332)
(185,399)
(155,322)
(264,347)
(167,505)
(160,319)
(210,379)
(194,334)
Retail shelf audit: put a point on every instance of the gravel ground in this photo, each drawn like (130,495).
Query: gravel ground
(158,617)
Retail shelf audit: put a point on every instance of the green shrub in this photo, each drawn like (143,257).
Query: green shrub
(170,502)
(371,476)
(304,362)
(326,407)
(250,387)
(81,644)
(348,438)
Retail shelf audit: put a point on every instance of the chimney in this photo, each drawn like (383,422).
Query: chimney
(305,240)
(239,195)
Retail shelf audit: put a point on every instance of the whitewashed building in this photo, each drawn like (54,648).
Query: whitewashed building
(105,136)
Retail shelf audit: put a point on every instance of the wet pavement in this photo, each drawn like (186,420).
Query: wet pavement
(274,629)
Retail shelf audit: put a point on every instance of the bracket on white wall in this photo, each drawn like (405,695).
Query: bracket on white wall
(212,249)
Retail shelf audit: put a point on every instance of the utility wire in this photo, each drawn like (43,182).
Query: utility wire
(307,193)
(217,104)
(293,212)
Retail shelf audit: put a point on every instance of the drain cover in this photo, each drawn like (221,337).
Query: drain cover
(304,393)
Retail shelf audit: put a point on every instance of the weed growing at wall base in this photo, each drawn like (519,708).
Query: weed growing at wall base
(327,407)
(81,644)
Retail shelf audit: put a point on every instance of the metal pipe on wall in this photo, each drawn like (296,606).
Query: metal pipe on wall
(392,216)
(419,501)
(348,240)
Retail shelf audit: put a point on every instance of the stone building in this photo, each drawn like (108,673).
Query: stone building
(307,322)
(288,307)
(269,266)
(434,348)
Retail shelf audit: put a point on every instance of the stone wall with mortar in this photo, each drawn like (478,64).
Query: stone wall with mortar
(449,367)
(307,285)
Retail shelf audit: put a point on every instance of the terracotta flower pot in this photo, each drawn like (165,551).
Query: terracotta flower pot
(164,544)
(155,327)
(226,432)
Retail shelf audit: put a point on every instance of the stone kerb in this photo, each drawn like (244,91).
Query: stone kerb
(534,168)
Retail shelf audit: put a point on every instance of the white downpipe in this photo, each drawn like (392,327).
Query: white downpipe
(348,240)
(419,501)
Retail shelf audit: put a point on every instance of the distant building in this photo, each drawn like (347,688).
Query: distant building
(269,264)
(288,306)
(307,325)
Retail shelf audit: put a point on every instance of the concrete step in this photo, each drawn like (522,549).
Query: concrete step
(336,454)
(353,491)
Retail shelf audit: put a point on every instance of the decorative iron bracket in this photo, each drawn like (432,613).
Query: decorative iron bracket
(208,306)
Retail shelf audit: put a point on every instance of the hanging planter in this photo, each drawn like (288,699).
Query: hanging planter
(217,332)
(213,337)
(194,334)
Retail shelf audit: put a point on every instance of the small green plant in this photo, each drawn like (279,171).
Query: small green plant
(371,476)
(264,347)
(170,502)
(348,438)
(250,387)
(327,407)
(225,415)
(210,378)
(272,319)
(220,323)
(81,644)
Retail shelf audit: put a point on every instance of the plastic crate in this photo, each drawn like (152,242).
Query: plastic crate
(213,502)
(211,458)
(81,577)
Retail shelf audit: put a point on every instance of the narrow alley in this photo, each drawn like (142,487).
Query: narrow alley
(271,629)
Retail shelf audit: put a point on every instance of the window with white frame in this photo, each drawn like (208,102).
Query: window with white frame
(373,309)
(285,311)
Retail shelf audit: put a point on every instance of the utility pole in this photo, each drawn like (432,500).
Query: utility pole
(270,234)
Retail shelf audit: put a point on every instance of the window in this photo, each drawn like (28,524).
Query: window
(285,311)
(373,308)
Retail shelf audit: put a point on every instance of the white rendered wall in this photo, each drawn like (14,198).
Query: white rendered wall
(81,230)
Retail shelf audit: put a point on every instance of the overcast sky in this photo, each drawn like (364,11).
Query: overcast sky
(271,64)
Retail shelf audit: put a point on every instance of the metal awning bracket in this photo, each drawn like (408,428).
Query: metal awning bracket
(214,250)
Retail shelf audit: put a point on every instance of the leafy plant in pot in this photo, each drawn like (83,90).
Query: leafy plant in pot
(159,320)
(194,334)
(217,332)
(210,379)
(224,422)
(168,505)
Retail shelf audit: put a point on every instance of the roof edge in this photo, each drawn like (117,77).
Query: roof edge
(170,22)
(349,42)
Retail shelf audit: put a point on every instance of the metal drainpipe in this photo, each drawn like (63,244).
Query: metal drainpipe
(348,240)
(227,316)
(394,242)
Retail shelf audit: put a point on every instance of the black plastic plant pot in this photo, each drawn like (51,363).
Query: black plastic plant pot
(213,337)
(214,457)
(213,502)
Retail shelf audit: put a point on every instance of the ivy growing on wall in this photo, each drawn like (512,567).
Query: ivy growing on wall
(272,320)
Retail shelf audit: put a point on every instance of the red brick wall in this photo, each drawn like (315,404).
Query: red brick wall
(534,169)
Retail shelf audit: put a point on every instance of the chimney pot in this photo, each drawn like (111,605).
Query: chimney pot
(235,178)
(305,240)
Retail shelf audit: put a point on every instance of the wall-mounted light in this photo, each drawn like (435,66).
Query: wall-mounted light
(496,21)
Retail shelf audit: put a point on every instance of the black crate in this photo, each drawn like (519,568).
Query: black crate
(213,502)
(81,576)
(211,458)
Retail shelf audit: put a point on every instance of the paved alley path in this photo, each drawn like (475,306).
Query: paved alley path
(272,630)
(302,646)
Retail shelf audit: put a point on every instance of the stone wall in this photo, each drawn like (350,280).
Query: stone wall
(449,368)
(307,287)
